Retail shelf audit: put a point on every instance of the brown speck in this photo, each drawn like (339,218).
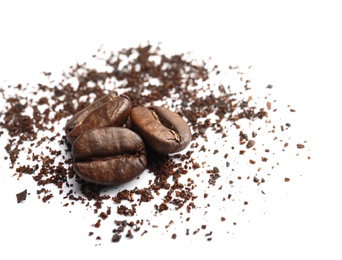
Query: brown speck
(116,238)
(269,105)
(21,196)
(250,144)
(300,146)
(103,215)
(98,223)
(129,234)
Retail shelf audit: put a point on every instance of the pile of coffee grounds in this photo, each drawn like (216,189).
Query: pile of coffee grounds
(235,144)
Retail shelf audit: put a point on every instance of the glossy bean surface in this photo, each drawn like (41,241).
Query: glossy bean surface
(109,155)
(162,129)
(110,110)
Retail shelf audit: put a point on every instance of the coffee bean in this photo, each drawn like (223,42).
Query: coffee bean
(109,155)
(163,130)
(110,110)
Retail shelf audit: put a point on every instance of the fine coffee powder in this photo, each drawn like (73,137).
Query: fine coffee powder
(238,148)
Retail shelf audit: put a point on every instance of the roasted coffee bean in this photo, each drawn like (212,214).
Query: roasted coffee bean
(110,110)
(109,155)
(163,130)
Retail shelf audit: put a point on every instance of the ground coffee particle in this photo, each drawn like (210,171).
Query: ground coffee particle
(103,215)
(300,146)
(250,144)
(129,234)
(116,238)
(47,197)
(98,223)
(21,196)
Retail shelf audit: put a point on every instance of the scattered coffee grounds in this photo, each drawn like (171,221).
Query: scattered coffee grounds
(237,142)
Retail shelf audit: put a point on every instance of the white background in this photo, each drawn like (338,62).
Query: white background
(295,45)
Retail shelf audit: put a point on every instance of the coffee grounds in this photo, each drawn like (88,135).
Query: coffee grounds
(218,113)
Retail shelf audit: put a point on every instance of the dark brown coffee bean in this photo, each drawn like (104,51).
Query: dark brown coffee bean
(109,155)
(163,130)
(110,110)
